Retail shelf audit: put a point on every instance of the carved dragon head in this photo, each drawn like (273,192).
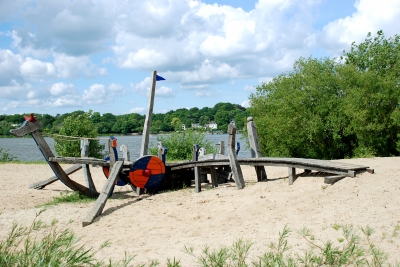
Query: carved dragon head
(30,125)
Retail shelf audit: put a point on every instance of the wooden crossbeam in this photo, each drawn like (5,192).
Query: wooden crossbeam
(102,199)
(42,184)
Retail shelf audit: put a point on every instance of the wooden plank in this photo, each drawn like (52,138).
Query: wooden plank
(58,171)
(197,182)
(333,179)
(85,167)
(214,178)
(370,170)
(42,184)
(292,175)
(144,149)
(236,169)
(255,150)
(72,160)
(102,199)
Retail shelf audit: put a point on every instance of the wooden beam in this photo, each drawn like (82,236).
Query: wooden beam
(102,199)
(85,167)
(147,123)
(214,178)
(255,150)
(43,184)
(333,179)
(236,170)
(58,171)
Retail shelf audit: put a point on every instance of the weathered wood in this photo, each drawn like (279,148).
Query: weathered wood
(333,179)
(212,156)
(370,170)
(72,160)
(197,181)
(255,150)
(292,175)
(221,148)
(214,178)
(147,123)
(58,171)
(236,169)
(125,152)
(102,199)
(85,167)
(42,184)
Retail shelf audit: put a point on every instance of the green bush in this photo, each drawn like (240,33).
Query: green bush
(77,125)
(180,144)
(6,157)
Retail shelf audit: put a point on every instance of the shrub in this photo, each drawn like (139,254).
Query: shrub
(6,157)
(180,144)
(78,125)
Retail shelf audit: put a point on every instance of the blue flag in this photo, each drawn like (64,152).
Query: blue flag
(159,78)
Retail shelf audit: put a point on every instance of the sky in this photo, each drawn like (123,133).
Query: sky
(66,55)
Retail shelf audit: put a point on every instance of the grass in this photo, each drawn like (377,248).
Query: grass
(69,197)
(43,245)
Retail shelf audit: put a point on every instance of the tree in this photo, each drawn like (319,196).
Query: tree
(78,126)
(327,108)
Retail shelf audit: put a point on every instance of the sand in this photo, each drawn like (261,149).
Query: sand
(158,227)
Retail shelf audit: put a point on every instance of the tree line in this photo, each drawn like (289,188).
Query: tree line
(332,108)
(107,123)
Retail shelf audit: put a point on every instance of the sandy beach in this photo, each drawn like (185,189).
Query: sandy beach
(157,227)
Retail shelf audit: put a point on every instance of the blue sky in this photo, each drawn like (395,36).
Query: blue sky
(66,55)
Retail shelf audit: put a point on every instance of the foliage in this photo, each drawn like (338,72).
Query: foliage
(77,126)
(329,109)
(180,144)
(6,157)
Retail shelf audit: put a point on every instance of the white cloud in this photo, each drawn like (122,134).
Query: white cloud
(9,66)
(36,69)
(116,88)
(11,105)
(96,94)
(143,88)
(137,110)
(62,89)
(63,102)
(164,92)
(371,16)
(206,93)
(245,104)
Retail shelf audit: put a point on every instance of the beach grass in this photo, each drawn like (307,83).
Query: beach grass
(47,245)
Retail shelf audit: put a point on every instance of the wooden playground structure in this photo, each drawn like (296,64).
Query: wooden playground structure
(155,174)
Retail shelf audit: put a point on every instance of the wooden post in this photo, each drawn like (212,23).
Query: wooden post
(105,192)
(85,167)
(147,124)
(125,152)
(237,171)
(221,148)
(58,171)
(255,148)
(292,175)
(197,179)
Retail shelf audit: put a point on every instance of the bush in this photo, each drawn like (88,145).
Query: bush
(6,157)
(180,144)
(77,125)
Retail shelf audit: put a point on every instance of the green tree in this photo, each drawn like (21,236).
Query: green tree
(180,144)
(78,125)
(327,108)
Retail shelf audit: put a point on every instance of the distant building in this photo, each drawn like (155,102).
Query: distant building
(213,125)
(232,122)
(196,125)
(183,127)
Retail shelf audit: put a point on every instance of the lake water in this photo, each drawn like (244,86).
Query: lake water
(26,150)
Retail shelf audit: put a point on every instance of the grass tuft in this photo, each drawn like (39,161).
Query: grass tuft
(69,197)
